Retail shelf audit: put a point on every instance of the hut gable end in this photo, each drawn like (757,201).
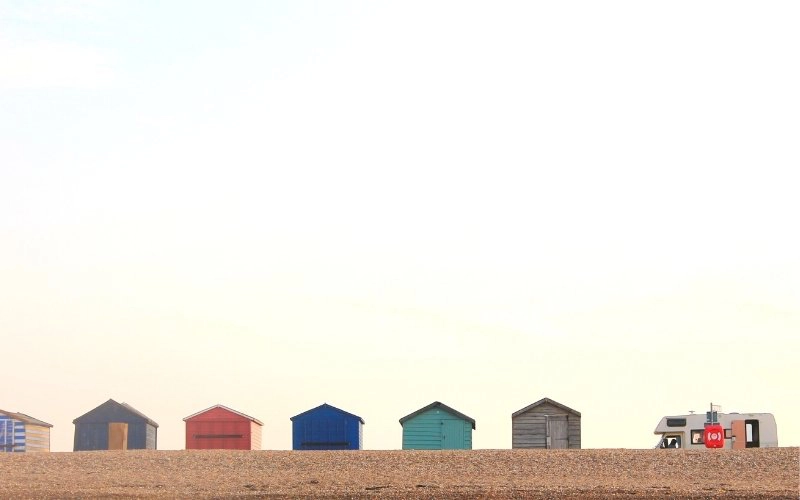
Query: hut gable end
(545,405)
(327,428)
(546,424)
(114,426)
(221,413)
(221,428)
(111,411)
(438,405)
(437,427)
(26,419)
(216,413)
(325,407)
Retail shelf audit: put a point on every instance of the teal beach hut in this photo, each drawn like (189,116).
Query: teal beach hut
(437,427)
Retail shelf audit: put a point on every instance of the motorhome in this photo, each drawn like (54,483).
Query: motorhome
(742,430)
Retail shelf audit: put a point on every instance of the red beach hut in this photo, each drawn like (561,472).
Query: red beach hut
(221,428)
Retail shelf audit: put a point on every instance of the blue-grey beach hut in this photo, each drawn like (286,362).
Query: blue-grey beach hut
(546,424)
(115,426)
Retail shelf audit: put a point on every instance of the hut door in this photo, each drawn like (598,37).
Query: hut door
(452,435)
(117,436)
(739,435)
(557,432)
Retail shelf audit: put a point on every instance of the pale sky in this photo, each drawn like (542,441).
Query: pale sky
(271,205)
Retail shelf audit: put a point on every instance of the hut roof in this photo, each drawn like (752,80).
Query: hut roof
(547,401)
(124,406)
(437,404)
(25,418)
(330,407)
(248,417)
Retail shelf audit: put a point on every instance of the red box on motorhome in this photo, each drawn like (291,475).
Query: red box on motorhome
(714,436)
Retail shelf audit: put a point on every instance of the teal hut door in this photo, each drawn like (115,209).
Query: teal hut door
(452,435)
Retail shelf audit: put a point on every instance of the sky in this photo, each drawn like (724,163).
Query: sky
(378,205)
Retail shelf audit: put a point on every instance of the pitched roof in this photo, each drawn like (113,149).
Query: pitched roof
(330,407)
(124,406)
(25,418)
(548,401)
(444,407)
(227,409)
(137,412)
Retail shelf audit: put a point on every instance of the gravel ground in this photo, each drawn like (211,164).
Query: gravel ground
(754,473)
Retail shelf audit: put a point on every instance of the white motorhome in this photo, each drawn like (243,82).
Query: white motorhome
(742,430)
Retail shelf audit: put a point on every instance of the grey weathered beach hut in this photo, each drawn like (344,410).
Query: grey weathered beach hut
(115,426)
(546,424)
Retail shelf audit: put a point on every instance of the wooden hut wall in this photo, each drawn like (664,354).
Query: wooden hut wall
(529,429)
(255,436)
(37,438)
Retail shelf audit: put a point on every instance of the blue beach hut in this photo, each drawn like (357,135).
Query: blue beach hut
(327,428)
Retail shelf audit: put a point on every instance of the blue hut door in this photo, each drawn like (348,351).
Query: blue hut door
(452,435)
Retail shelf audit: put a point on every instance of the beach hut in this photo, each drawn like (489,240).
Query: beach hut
(20,432)
(327,428)
(437,427)
(546,424)
(115,426)
(221,428)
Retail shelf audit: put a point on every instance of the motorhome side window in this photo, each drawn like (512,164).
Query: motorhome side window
(676,422)
(697,436)
(671,441)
